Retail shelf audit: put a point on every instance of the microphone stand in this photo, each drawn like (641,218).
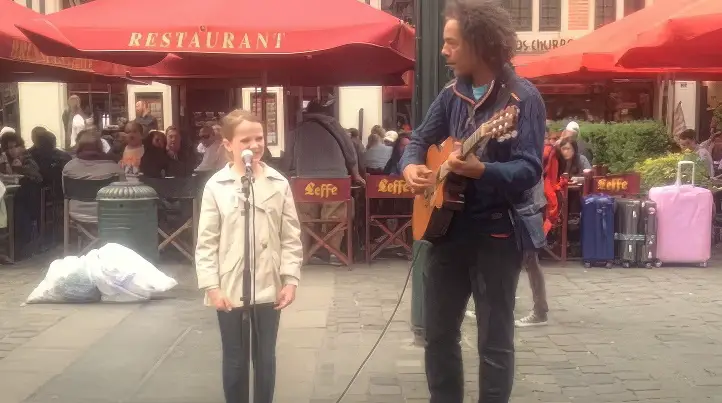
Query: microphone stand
(246,332)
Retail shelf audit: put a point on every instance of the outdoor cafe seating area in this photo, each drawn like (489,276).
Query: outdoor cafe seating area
(378,217)
(377,224)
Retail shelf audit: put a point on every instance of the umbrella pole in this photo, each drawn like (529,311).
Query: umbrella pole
(90,99)
(264,111)
(672,104)
(110,107)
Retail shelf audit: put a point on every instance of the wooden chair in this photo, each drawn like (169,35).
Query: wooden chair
(183,189)
(386,187)
(319,191)
(84,190)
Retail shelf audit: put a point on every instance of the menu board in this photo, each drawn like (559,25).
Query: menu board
(271,115)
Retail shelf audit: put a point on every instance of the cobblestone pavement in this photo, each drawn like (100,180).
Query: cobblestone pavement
(620,335)
(17,325)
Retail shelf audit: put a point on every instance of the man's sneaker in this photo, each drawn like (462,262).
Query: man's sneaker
(531,320)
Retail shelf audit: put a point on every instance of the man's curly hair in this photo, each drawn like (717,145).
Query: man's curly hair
(487,28)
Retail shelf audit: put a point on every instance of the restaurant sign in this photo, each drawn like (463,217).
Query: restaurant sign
(27,52)
(617,184)
(540,45)
(206,40)
(387,187)
(318,190)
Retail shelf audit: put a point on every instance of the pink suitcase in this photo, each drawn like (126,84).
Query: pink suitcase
(684,219)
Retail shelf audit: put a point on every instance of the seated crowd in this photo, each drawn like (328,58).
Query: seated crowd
(129,155)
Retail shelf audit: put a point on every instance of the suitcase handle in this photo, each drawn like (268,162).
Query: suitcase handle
(679,171)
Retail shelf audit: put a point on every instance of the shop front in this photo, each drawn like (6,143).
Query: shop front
(614,100)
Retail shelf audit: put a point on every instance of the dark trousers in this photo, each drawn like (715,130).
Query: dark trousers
(264,327)
(486,268)
(536,283)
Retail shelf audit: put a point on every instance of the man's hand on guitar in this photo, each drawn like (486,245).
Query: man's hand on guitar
(418,177)
(469,167)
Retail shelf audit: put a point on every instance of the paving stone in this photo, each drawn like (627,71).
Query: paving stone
(614,336)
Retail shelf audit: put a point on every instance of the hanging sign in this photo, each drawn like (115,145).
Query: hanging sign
(255,41)
(540,45)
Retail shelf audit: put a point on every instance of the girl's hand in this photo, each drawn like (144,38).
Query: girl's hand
(286,296)
(219,301)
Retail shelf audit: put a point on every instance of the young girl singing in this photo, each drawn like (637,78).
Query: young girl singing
(276,256)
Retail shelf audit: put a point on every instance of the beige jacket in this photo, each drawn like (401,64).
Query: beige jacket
(219,251)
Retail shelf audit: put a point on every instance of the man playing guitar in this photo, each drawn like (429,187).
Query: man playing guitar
(481,253)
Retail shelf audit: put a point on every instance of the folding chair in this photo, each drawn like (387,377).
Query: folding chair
(560,229)
(51,211)
(84,190)
(319,191)
(386,187)
(182,189)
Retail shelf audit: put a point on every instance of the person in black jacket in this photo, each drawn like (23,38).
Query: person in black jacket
(166,155)
(321,148)
(49,158)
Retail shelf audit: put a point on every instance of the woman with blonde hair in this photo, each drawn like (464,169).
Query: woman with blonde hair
(276,255)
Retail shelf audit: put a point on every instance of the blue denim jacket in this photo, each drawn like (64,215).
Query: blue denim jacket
(513,168)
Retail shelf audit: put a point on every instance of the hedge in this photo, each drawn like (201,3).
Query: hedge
(622,145)
(662,171)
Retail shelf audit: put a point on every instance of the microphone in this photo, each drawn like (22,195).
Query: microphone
(247,158)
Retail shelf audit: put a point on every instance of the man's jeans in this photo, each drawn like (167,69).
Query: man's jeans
(486,268)
(235,364)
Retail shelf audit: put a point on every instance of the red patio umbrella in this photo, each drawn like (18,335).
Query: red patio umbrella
(20,60)
(595,52)
(689,36)
(248,72)
(325,38)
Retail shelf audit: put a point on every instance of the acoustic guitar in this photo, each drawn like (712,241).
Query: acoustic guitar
(435,208)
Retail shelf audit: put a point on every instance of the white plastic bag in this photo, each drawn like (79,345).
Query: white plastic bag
(67,280)
(122,275)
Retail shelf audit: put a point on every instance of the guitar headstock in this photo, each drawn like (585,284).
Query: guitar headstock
(502,125)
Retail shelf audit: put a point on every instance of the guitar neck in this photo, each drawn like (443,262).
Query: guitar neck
(473,142)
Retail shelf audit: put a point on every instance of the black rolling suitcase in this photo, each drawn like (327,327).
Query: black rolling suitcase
(647,251)
(627,238)
(635,232)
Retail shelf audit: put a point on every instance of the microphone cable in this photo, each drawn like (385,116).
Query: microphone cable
(385,329)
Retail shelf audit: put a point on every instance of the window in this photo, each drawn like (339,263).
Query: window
(605,11)
(42,7)
(520,11)
(550,15)
(631,6)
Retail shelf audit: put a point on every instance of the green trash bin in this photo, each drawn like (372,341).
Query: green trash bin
(128,215)
(419,253)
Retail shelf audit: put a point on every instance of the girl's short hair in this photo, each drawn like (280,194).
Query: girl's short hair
(235,118)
